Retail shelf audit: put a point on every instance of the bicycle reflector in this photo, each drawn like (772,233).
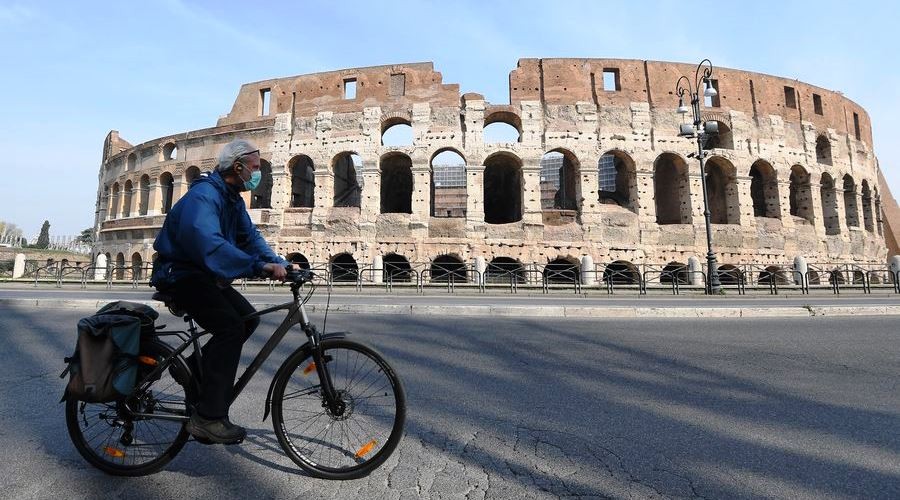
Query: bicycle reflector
(114,452)
(366,449)
(147,360)
(309,368)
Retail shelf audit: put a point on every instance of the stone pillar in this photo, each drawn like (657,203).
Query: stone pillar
(154,198)
(815,202)
(474,196)
(800,269)
(378,270)
(421,195)
(588,277)
(100,268)
(743,213)
(104,208)
(281,190)
(531,191)
(694,268)
(784,203)
(370,197)
(646,196)
(323,196)
(590,187)
(480,267)
(179,187)
(19,266)
(134,201)
(841,212)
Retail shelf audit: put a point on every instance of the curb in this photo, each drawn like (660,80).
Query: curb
(526,311)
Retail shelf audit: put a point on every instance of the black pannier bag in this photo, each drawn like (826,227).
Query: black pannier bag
(104,365)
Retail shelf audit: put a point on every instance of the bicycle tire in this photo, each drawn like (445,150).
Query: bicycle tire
(102,440)
(354,369)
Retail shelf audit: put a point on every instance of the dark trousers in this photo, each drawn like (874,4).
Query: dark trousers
(220,312)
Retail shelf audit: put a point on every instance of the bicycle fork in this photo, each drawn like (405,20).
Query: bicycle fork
(331,398)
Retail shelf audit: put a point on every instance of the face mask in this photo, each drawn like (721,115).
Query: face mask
(253,182)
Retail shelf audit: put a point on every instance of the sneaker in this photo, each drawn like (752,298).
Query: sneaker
(219,430)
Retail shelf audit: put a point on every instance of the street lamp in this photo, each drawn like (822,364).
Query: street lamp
(702,131)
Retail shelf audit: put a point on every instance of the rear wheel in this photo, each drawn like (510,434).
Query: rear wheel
(353,441)
(112,438)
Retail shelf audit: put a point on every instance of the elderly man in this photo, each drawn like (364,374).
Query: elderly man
(206,242)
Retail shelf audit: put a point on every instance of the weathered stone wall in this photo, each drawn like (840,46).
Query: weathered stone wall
(556,105)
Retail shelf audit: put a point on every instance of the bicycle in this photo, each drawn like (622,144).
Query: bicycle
(338,409)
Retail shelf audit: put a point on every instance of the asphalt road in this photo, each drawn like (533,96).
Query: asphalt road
(530,408)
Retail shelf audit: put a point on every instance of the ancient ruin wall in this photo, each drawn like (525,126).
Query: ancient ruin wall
(772,126)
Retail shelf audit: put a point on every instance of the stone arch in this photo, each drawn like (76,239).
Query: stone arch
(298,259)
(396,132)
(621,272)
(128,193)
(396,183)
(137,266)
(448,183)
(560,186)
(501,126)
(120,266)
(303,181)
(722,191)
(343,268)
(617,179)
(191,174)
(167,189)
(729,274)
(169,152)
(773,274)
(504,270)
(144,190)
(829,205)
(866,193)
(261,197)
(823,150)
(764,190)
(562,270)
(114,207)
(396,268)
(722,140)
(675,272)
(346,168)
(131,162)
(671,190)
(503,188)
(446,268)
(851,210)
(800,197)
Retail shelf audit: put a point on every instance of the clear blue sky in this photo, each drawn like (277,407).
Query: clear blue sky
(74,70)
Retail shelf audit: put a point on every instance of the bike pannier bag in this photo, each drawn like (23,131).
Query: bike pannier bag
(104,365)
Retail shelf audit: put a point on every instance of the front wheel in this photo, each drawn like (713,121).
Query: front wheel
(352,442)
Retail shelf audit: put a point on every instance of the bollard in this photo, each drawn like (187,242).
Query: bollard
(694,271)
(19,266)
(378,270)
(588,276)
(800,270)
(480,267)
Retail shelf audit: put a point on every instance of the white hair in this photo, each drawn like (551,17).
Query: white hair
(234,150)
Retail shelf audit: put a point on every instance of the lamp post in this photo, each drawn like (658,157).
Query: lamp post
(702,132)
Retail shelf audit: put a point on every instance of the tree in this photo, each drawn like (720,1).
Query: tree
(9,231)
(86,236)
(43,240)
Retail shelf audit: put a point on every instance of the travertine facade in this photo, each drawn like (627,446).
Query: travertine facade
(794,173)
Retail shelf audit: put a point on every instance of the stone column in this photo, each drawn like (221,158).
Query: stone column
(590,188)
(179,187)
(370,199)
(154,198)
(531,191)
(784,204)
(646,196)
(421,195)
(323,196)
(104,208)
(474,197)
(19,266)
(815,202)
(134,202)
(743,213)
(281,190)
(841,212)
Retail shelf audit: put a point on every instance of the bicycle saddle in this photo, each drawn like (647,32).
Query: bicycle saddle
(169,302)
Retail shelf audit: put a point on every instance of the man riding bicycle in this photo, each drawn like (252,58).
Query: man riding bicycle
(207,241)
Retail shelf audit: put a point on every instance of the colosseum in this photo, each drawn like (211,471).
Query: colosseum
(587,172)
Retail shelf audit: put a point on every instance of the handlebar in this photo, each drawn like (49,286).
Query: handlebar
(295,276)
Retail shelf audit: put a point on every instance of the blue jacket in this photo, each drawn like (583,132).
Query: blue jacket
(209,231)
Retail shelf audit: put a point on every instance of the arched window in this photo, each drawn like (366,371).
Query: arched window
(120,266)
(675,272)
(723,140)
(671,190)
(800,193)
(396,133)
(167,188)
(829,205)
(396,268)
(137,267)
(191,174)
(448,184)
(144,204)
(170,152)
(559,181)
(446,268)
(396,183)
(131,162)
(621,272)
(729,274)
(298,259)
(502,189)
(764,190)
(773,274)
(129,193)
(850,208)
(303,181)
(721,188)
(617,181)
(261,197)
(347,179)
(823,150)
(502,127)
(867,207)
(562,270)
(344,268)
(504,270)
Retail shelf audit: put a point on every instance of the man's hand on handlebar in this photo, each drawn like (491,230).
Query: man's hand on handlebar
(278,271)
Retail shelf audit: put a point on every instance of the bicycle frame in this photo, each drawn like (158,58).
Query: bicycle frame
(296,315)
